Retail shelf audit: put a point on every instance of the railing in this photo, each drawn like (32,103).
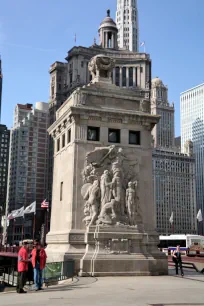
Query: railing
(13,249)
(57,271)
(9,275)
(53,272)
(5,249)
(187,265)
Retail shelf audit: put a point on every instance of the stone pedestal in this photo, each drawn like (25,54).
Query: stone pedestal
(114,251)
(103,214)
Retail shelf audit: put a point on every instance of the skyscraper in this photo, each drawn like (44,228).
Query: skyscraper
(1,81)
(27,179)
(4,156)
(163,132)
(192,128)
(173,171)
(127,23)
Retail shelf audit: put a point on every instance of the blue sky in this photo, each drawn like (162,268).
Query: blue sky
(34,34)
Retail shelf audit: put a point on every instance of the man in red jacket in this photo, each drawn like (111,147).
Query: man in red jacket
(22,267)
(38,261)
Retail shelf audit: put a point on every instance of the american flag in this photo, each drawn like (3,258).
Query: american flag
(45,204)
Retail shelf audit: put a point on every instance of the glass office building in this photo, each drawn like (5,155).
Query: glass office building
(192,128)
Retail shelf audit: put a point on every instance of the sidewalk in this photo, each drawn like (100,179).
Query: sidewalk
(118,291)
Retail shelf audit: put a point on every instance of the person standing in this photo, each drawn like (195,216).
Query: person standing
(178,260)
(38,261)
(22,267)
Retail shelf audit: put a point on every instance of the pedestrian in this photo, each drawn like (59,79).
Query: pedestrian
(22,267)
(178,260)
(38,261)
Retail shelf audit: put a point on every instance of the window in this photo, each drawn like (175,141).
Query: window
(63,140)
(93,133)
(136,76)
(82,64)
(134,137)
(117,76)
(58,144)
(130,77)
(69,136)
(124,77)
(53,91)
(59,86)
(61,191)
(70,77)
(114,136)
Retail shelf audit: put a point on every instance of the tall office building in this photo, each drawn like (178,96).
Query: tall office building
(27,180)
(128,26)
(174,191)
(1,83)
(163,132)
(173,171)
(4,156)
(192,128)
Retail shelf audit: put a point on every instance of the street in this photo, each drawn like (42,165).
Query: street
(137,291)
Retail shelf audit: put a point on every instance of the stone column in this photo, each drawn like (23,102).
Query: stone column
(121,76)
(113,41)
(134,77)
(114,76)
(138,76)
(127,76)
(106,46)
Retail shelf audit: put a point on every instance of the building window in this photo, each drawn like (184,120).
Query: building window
(70,77)
(124,77)
(93,133)
(134,137)
(141,69)
(117,76)
(69,136)
(130,77)
(58,144)
(114,136)
(59,86)
(82,64)
(136,76)
(53,91)
(61,191)
(63,140)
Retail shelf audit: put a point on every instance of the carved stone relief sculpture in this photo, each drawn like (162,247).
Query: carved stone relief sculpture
(110,188)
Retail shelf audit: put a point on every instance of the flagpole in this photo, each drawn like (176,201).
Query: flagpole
(13,229)
(47,219)
(34,223)
(22,230)
(172,228)
(201,228)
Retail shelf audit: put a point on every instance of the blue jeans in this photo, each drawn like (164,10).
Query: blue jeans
(38,277)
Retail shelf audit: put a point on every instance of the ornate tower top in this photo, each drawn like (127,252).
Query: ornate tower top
(108,32)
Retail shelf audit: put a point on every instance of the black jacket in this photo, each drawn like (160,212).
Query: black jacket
(178,257)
